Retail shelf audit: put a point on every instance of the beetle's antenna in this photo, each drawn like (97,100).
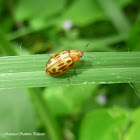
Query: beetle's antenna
(89,57)
(85,47)
(84,51)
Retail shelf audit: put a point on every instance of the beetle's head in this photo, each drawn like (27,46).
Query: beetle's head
(76,55)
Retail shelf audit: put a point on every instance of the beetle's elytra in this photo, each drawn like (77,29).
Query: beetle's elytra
(62,62)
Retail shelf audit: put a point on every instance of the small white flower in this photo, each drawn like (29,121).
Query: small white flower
(101,99)
(67,24)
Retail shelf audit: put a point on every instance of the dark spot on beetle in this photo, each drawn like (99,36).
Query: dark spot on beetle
(57,57)
(49,72)
(49,62)
(61,64)
(54,70)
(54,73)
(64,69)
(70,64)
(61,68)
(68,61)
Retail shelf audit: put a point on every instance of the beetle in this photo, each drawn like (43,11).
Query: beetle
(63,61)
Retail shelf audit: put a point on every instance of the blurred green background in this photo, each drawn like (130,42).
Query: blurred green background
(82,112)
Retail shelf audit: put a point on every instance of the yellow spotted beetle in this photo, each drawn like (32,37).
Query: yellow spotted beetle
(63,61)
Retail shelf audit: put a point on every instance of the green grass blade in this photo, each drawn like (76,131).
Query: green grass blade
(5,47)
(134,38)
(116,15)
(106,67)
(101,44)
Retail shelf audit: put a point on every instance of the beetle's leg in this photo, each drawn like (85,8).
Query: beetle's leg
(82,61)
(68,76)
(74,70)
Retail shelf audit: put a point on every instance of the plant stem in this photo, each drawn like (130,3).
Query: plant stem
(49,121)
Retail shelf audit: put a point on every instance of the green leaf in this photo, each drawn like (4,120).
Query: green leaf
(17,114)
(116,15)
(69,99)
(35,9)
(29,71)
(45,114)
(42,15)
(133,40)
(38,13)
(5,46)
(101,44)
(103,124)
(133,132)
(82,12)
(136,116)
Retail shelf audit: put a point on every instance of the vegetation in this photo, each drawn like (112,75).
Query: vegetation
(102,102)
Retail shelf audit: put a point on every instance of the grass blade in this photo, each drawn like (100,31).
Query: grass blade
(116,15)
(5,47)
(106,67)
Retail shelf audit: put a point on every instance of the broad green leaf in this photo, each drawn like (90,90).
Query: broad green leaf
(16,115)
(103,124)
(34,9)
(29,71)
(47,118)
(82,12)
(136,116)
(69,99)
(133,131)
(38,13)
